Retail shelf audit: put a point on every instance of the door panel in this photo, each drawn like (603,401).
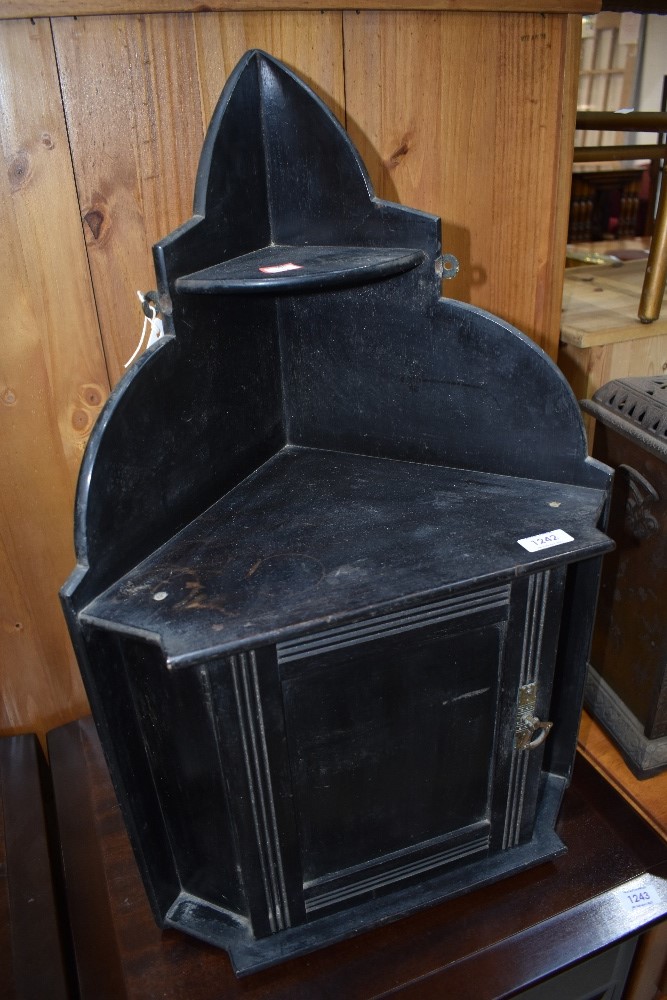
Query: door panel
(391,748)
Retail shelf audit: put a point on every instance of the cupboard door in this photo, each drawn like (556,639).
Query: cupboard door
(391,729)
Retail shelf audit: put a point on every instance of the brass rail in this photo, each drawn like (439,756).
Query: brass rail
(653,288)
(593,154)
(615,121)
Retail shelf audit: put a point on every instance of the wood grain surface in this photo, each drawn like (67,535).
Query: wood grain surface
(56,8)
(53,381)
(600,306)
(310,43)
(601,336)
(131,97)
(589,368)
(486,156)
(647,796)
(162,77)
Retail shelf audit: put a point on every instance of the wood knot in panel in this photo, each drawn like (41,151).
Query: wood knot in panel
(400,152)
(80,420)
(97,222)
(92,395)
(11,627)
(20,170)
(84,412)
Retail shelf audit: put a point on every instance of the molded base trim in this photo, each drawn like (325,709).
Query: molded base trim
(247,954)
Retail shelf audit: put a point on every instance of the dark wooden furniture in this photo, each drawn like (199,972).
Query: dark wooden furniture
(649,800)
(627,682)
(606,203)
(33,930)
(489,944)
(339,542)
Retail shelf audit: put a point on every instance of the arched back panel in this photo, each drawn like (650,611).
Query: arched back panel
(338,355)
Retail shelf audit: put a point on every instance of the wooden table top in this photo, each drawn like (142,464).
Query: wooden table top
(484,946)
(647,796)
(600,305)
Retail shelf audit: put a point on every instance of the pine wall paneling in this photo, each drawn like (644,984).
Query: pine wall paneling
(463,115)
(311,43)
(53,381)
(61,8)
(131,97)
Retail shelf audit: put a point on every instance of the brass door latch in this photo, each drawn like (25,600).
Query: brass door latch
(530,731)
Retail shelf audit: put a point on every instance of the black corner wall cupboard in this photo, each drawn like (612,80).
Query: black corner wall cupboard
(338,548)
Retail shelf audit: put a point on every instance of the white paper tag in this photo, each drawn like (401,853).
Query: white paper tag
(546,540)
(152,322)
(638,897)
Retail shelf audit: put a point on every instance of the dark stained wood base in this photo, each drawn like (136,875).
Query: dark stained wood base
(33,933)
(485,945)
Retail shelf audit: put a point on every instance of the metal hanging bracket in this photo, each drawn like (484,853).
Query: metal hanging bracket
(447,266)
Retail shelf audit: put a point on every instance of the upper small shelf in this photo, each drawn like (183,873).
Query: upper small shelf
(292,268)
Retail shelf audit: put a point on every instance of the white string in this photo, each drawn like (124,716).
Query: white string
(156,329)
